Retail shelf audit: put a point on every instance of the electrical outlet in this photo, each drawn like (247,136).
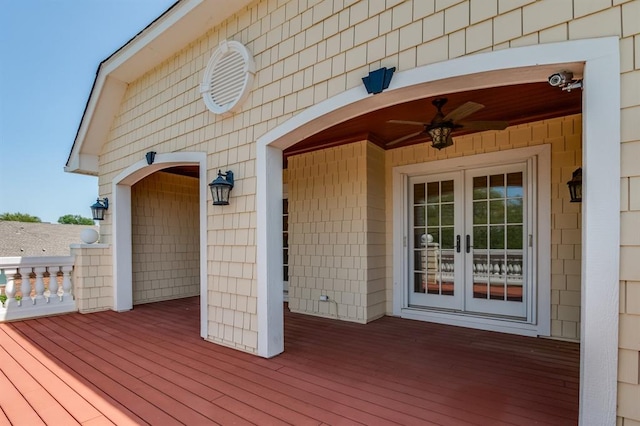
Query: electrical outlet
(324,298)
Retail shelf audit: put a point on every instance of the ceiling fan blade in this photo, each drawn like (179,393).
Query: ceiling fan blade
(413,123)
(462,111)
(484,125)
(404,138)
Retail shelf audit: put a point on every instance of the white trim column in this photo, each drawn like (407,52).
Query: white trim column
(269,246)
(600,236)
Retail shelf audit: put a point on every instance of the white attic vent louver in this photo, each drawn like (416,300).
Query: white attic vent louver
(228,77)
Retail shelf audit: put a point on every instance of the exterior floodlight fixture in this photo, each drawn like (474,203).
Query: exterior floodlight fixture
(575,186)
(98,209)
(221,187)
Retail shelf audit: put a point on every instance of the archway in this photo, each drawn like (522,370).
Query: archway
(600,246)
(122,226)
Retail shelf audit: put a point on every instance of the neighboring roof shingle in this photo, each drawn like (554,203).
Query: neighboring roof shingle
(25,239)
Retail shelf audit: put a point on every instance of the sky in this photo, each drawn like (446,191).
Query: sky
(49,54)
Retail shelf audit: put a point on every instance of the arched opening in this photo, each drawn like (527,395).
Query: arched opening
(600,249)
(160,219)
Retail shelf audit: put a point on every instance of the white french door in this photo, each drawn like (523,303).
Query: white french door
(470,233)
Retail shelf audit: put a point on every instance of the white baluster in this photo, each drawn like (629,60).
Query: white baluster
(10,288)
(25,287)
(39,286)
(66,282)
(53,283)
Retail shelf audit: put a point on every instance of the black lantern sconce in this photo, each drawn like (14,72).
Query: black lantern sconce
(221,187)
(575,186)
(98,209)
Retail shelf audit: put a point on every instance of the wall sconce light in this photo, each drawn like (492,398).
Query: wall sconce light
(221,187)
(151,156)
(575,186)
(98,209)
(378,80)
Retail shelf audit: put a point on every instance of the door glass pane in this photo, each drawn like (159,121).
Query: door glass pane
(418,216)
(480,188)
(447,191)
(496,211)
(496,237)
(514,277)
(496,186)
(419,193)
(433,215)
(479,212)
(480,237)
(498,248)
(447,238)
(433,192)
(419,238)
(514,237)
(514,185)
(446,212)
(433,238)
(514,210)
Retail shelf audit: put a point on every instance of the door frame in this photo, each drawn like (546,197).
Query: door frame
(535,325)
(530,211)
(456,301)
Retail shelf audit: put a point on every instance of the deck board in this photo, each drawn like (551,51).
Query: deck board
(150,366)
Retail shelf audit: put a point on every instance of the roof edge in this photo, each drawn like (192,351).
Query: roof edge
(182,23)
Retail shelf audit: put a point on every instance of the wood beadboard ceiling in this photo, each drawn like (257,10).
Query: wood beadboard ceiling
(515,104)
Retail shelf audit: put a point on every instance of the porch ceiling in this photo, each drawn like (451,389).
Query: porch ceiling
(515,104)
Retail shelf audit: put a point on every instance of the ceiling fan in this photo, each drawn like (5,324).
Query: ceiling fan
(441,126)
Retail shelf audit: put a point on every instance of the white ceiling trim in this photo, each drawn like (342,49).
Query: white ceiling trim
(177,27)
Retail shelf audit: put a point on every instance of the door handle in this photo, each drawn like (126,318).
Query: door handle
(468,245)
(457,243)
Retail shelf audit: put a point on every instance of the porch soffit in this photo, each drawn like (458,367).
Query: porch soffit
(516,104)
(182,23)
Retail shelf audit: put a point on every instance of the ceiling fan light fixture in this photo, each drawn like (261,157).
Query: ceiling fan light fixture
(441,136)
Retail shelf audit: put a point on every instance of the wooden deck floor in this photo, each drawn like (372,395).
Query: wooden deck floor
(149,366)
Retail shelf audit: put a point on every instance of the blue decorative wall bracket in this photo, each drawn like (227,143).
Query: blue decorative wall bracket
(378,80)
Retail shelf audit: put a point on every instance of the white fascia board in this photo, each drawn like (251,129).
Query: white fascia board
(179,26)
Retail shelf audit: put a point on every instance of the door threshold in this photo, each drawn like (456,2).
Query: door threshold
(510,325)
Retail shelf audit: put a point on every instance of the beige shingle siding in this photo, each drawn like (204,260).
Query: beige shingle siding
(165,238)
(92,278)
(309,51)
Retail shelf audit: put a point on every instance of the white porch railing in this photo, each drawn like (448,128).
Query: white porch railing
(35,286)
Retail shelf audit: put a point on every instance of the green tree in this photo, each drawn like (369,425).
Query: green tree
(19,217)
(74,219)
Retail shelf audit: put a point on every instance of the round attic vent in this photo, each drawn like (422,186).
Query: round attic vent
(228,77)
